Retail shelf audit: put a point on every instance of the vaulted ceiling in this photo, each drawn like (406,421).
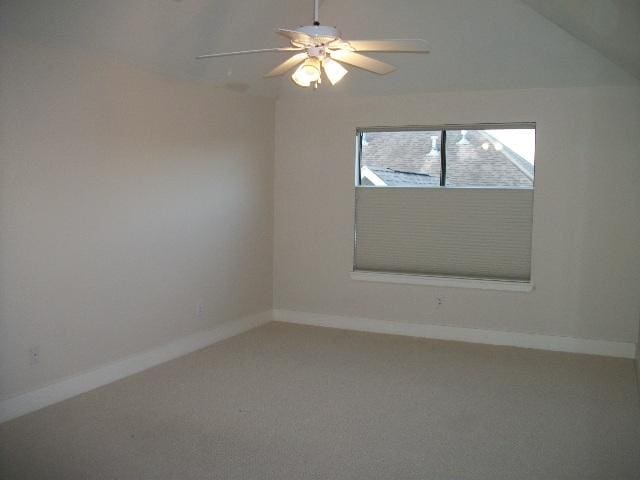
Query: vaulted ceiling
(475,44)
(610,26)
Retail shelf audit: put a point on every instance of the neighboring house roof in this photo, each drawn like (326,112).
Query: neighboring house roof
(397,178)
(403,158)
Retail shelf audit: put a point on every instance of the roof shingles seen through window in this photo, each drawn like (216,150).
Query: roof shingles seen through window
(406,158)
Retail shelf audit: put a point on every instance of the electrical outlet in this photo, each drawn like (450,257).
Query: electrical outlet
(34,355)
(200,310)
(439,302)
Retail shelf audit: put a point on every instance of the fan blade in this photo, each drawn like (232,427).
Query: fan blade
(244,52)
(362,61)
(415,45)
(287,65)
(296,36)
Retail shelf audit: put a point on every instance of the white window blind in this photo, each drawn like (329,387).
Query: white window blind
(462,232)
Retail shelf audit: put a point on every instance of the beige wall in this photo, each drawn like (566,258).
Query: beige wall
(125,200)
(638,357)
(585,266)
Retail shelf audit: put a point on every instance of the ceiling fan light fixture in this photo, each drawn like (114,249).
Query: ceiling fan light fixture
(334,70)
(316,43)
(307,73)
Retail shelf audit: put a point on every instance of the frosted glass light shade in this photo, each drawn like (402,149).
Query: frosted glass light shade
(307,73)
(334,70)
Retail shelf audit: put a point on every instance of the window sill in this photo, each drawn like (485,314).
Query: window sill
(454,282)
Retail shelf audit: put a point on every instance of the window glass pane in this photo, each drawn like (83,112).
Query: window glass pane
(490,158)
(400,159)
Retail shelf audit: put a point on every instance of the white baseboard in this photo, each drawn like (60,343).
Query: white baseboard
(84,382)
(472,335)
(77,384)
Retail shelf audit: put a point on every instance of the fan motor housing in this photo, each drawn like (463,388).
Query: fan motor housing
(321,35)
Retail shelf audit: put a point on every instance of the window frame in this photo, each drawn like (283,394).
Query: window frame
(517,286)
(442,128)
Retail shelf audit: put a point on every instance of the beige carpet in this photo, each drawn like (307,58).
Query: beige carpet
(293,402)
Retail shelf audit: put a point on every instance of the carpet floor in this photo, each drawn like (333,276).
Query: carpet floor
(296,402)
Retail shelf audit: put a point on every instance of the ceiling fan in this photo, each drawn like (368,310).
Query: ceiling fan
(320,49)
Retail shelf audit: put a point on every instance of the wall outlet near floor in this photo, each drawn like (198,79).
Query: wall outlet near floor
(200,311)
(439,302)
(34,355)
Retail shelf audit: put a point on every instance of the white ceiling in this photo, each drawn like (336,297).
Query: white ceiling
(476,44)
(610,26)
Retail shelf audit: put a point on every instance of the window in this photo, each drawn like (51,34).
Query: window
(452,201)
(495,157)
